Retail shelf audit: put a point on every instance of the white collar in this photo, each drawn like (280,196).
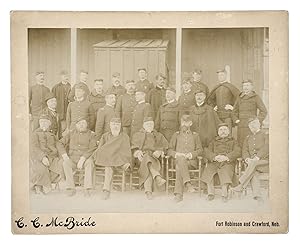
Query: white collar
(171,101)
(140,102)
(200,103)
(54,110)
(187,91)
(79,100)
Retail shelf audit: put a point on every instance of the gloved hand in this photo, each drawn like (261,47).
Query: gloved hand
(45,161)
(81,162)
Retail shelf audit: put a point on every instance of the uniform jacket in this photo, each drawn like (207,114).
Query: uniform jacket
(157,97)
(77,144)
(205,122)
(221,95)
(104,115)
(125,107)
(37,94)
(96,100)
(200,85)
(140,111)
(246,107)
(147,86)
(55,122)
(256,145)
(72,92)
(118,90)
(79,109)
(186,101)
(61,92)
(167,119)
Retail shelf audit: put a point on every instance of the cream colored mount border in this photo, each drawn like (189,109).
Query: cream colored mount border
(277,21)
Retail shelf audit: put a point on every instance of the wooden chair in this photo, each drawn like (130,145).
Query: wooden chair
(171,174)
(119,177)
(263,177)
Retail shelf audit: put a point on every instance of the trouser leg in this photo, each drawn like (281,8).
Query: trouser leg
(153,172)
(182,175)
(88,174)
(148,184)
(211,187)
(68,170)
(255,184)
(108,175)
(250,170)
(224,190)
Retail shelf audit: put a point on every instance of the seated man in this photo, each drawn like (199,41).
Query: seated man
(256,155)
(148,145)
(45,168)
(185,147)
(222,153)
(81,143)
(113,151)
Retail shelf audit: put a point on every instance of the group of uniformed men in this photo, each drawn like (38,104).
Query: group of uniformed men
(75,128)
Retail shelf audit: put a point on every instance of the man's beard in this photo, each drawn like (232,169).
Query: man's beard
(115,132)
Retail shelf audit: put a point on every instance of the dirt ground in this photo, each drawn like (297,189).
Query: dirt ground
(135,201)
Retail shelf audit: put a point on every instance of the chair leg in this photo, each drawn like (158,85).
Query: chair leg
(123,181)
(167,176)
(130,181)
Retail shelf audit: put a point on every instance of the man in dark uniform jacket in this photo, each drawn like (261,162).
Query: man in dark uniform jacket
(97,97)
(141,110)
(75,149)
(256,155)
(61,91)
(144,82)
(113,151)
(45,168)
(185,147)
(105,114)
(187,98)
(157,95)
(167,119)
(222,97)
(205,119)
(79,108)
(37,94)
(116,87)
(247,105)
(51,102)
(221,153)
(197,83)
(125,106)
(148,146)
(83,79)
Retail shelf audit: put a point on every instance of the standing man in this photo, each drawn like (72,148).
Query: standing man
(117,88)
(185,147)
(125,106)
(223,97)
(105,114)
(221,153)
(144,82)
(167,119)
(148,146)
(45,168)
(205,119)
(97,97)
(51,102)
(247,105)
(187,98)
(61,91)
(80,108)
(197,83)
(141,110)
(37,94)
(76,148)
(83,79)
(113,151)
(157,95)
(256,155)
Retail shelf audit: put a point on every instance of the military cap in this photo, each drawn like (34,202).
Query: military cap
(116,74)
(251,119)
(197,71)
(186,118)
(84,71)
(142,69)
(221,70)
(39,72)
(223,124)
(49,96)
(171,89)
(247,81)
(98,79)
(186,81)
(148,119)
(80,86)
(200,90)
(110,91)
(80,119)
(140,88)
(63,72)
(115,120)
(129,81)
(45,116)
(160,75)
